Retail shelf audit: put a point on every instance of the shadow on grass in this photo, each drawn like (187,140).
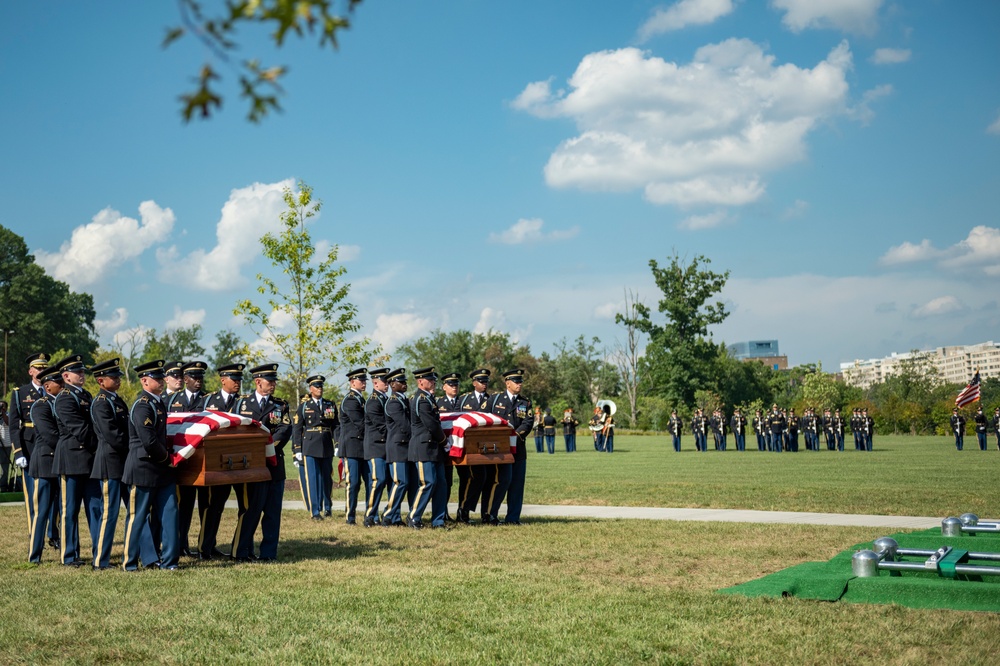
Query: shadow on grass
(298,550)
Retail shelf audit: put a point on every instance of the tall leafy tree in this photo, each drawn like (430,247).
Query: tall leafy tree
(180,344)
(583,373)
(626,356)
(311,295)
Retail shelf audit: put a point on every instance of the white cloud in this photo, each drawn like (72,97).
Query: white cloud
(348,252)
(994,127)
(688,134)
(185,318)
(530,231)
(392,330)
(249,213)
(490,319)
(907,252)
(710,221)
(131,339)
(96,249)
(797,209)
(855,16)
(684,13)
(979,251)
(117,321)
(939,306)
(891,56)
(862,112)
(609,310)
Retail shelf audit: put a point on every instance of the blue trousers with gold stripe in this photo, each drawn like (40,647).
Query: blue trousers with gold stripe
(379,473)
(439,498)
(41,491)
(495,485)
(515,494)
(311,476)
(78,490)
(113,494)
(357,471)
(250,504)
(211,515)
(270,519)
(392,515)
(148,505)
(428,477)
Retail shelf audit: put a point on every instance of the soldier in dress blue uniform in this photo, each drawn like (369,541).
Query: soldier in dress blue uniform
(699,428)
(397,446)
(374,444)
(549,427)
(74,460)
(427,442)
(958,428)
(838,429)
(45,436)
(981,424)
(352,441)
(867,428)
(569,424)
(225,399)
(22,437)
(739,427)
(776,424)
(109,414)
(260,502)
(473,478)
(187,399)
(312,444)
(676,427)
(150,474)
(514,407)
(996,425)
(451,401)
(759,429)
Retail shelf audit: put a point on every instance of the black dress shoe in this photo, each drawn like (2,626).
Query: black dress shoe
(54,543)
(73,563)
(318,518)
(448,518)
(101,568)
(242,560)
(352,521)
(187,552)
(328,513)
(415,524)
(491,520)
(370,522)
(152,565)
(463,516)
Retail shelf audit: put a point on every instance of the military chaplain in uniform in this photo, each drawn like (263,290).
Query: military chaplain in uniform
(397,447)
(375,438)
(260,502)
(189,399)
(150,474)
(516,409)
(45,436)
(472,478)
(427,442)
(312,445)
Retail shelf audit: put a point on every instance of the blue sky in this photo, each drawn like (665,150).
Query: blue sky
(516,165)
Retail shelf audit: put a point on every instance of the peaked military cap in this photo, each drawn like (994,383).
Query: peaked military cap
(152,369)
(267,371)
(39,360)
(173,368)
(316,380)
(195,368)
(233,371)
(451,378)
(380,373)
(480,375)
(426,373)
(516,375)
(358,373)
(397,375)
(73,363)
(109,368)
(50,373)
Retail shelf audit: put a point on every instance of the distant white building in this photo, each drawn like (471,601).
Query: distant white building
(955,365)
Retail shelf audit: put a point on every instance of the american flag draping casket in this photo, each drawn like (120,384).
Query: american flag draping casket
(213,448)
(478,438)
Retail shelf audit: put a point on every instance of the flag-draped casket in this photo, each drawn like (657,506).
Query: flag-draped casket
(478,438)
(213,448)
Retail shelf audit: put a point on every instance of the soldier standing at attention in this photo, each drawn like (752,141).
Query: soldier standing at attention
(449,402)
(831,438)
(172,378)
(187,399)
(74,460)
(980,420)
(856,428)
(473,478)
(539,431)
(352,440)
(595,428)
(958,428)
(867,429)
(397,446)
(838,429)
(996,425)
(676,427)
(312,444)
(375,439)
(569,424)
(149,473)
(22,439)
(549,422)
(514,407)
(739,424)
(759,427)
(223,400)
(776,423)
(427,451)
(792,431)
(45,437)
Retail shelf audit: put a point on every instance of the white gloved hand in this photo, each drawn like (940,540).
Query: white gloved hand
(295,462)
(298,457)
(21,462)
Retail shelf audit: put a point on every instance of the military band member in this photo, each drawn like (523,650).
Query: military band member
(190,398)
(260,502)
(760,430)
(676,427)
(225,399)
(397,446)
(312,444)
(739,426)
(996,425)
(792,425)
(981,424)
(608,429)
(427,442)
(958,428)
(596,427)
(831,438)
(472,478)
(856,428)
(718,425)
(699,428)
(45,436)
(449,402)
(776,424)
(838,429)
(352,441)
(376,434)
(74,459)
(149,473)
(569,424)
(514,407)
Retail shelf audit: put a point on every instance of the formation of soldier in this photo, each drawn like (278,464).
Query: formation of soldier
(97,453)
(983,425)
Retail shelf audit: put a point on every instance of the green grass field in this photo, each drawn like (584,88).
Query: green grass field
(551,591)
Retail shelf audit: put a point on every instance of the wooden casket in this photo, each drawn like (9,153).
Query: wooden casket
(478,438)
(231,455)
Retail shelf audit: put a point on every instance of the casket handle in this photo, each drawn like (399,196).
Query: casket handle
(229,462)
(246,463)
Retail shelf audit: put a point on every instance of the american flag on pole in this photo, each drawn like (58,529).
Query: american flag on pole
(970,393)
(187,430)
(455,424)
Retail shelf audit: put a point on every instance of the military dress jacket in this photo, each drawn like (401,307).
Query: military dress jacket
(375,428)
(312,427)
(77,441)
(397,428)
(427,438)
(776,422)
(518,413)
(46,436)
(470,403)
(569,425)
(109,413)
(22,431)
(739,424)
(217,402)
(675,426)
(352,426)
(958,424)
(180,402)
(980,420)
(446,404)
(273,415)
(148,464)
(549,422)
